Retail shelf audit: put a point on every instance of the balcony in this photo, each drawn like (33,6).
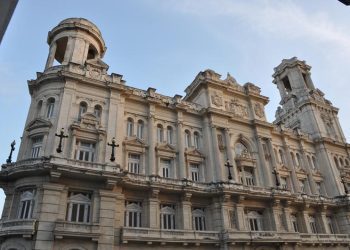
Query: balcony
(66,229)
(159,235)
(26,228)
(325,238)
(260,236)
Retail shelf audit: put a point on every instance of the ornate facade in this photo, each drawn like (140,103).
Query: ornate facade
(204,171)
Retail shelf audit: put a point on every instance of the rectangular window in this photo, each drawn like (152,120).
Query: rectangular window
(198,216)
(78,207)
(85,151)
(140,130)
(294,223)
(232,218)
(169,135)
(133,214)
(330,224)
(313,225)
(165,167)
(167,216)
(37,143)
(302,186)
(134,163)
(194,172)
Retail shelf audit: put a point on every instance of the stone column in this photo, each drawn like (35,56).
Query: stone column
(51,56)
(294,177)
(287,214)
(107,219)
(153,210)
(323,223)
(208,149)
(263,168)
(272,153)
(69,51)
(180,147)
(240,215)
(151,148)
(281,89)
(230,155)
(306,222)
(217,163)
(186,212)
(276,223)
(308,168)
(48,214)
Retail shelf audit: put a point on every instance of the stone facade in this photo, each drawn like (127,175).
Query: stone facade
(169,186)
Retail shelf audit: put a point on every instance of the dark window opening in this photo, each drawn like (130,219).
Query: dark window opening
(286,84)
(91,53)
(61,49)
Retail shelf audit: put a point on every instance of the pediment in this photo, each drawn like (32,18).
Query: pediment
(134,141)
(194,152)
(38,123)
(79,198)
(300,171)
(165,147)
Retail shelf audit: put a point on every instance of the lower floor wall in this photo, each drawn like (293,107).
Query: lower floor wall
(86,244)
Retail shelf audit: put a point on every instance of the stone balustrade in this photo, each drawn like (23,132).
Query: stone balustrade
(149,235)
(18,227)
(75,229)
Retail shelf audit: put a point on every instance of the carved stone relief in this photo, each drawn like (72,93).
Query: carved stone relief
(236,108)
(216,99)
(259,110)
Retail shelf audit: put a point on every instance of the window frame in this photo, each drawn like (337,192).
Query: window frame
(76,201)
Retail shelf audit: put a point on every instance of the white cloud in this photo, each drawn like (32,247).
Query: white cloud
(277,18)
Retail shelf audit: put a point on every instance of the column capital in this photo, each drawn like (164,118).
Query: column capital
(186,196)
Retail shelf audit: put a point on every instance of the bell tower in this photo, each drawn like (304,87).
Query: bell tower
(304,107)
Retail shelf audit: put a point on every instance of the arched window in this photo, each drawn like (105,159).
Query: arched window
(130,127)
(298,160)
(39,107)
(314,162)
(336,162)
(241,149)
(309,162)
(198,219)
(169,134)
(50,107)
(196,140)
(160,133)
(98,111)
(255,220)
(293,159)
(282,160)
(82,109)
(133,214)
(140,127)
(26,204)
(79,207)
(167,216)
(187,139)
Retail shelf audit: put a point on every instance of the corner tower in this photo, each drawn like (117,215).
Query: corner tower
(74,40)
(304,107)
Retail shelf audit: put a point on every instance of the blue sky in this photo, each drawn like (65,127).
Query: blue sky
(164,44)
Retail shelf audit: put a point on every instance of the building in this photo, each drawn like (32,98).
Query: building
(7,7)
(169,186)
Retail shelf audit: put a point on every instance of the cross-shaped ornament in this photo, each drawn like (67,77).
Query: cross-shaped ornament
(228,165)
(61,135)
(344,184)
(113,145)
(276,177)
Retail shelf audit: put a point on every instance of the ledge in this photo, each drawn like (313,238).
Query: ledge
(66,229)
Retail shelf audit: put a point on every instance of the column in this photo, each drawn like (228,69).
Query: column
(48,214)
(186,212)
(180,147)
(230,155)
(51,56)
(240,215)
(263,168)
(153,210)
(276,223)
(272,153)
(294,178)
(323,223)
(208,151)
(151,150)
(305,221)
(69,51)
(287,213)
(217,164)
(107,219)
(225,208)
(312,183)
